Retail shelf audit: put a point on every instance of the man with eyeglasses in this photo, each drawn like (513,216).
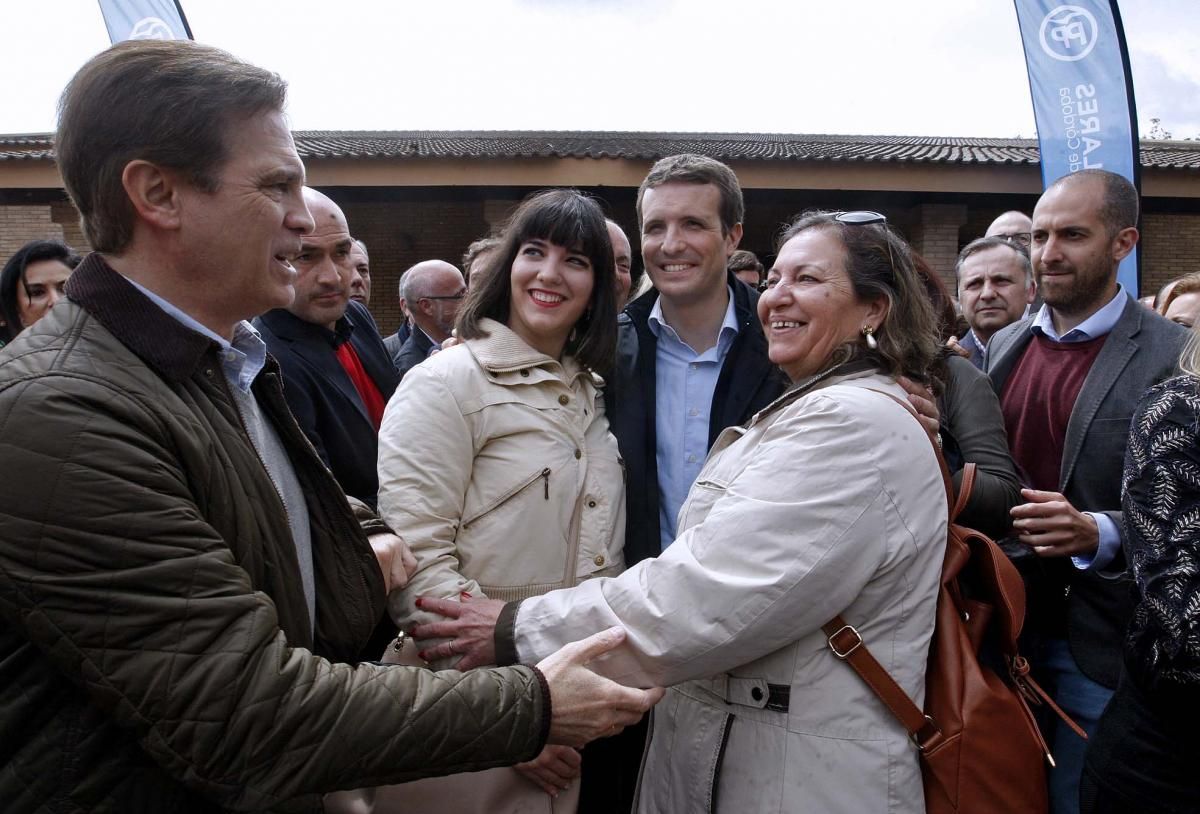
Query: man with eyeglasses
(1013,226)
(337,375)
(432,290)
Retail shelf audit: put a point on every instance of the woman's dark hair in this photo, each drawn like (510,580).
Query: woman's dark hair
(14,274)
(939,298)
(565,218)
(945,315)
(880,264)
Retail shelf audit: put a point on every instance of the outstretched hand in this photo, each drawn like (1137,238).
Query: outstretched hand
(584,705)
(468,630)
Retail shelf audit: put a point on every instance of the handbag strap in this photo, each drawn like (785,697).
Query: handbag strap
(847,643)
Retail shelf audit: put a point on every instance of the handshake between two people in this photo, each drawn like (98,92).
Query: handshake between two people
(584,705)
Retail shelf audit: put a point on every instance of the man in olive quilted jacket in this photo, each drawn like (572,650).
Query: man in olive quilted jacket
(183,585)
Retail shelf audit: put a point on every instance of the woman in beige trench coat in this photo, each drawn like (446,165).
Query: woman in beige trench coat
(828,502)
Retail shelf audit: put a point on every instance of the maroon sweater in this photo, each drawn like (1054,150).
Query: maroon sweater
(1037,402)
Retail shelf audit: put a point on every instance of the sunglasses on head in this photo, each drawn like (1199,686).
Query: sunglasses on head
(867,217)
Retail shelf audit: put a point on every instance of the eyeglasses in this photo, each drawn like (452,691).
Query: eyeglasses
(867,217)
(460,295)
(1021,238)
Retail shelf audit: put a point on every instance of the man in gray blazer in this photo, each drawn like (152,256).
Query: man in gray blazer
(1069,378)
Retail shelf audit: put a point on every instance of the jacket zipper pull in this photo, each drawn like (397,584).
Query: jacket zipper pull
(546,481)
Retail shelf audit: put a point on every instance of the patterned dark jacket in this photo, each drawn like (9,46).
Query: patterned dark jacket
(1161,499)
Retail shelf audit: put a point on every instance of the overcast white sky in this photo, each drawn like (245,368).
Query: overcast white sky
(921,67)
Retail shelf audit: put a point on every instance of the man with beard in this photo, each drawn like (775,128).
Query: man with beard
(1069,378)
(337,374)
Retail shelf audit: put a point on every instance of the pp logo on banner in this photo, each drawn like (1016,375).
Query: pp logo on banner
(151,28)
(1069,33)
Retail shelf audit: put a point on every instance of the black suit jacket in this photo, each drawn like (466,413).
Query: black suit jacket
(747,383)
(1142,350)
(414,351)
(321,395)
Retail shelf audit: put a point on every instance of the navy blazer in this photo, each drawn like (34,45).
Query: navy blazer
(322,397)
(747,383)
(413,352)
(1142,350)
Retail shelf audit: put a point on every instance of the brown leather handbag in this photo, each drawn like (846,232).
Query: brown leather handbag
(979,744)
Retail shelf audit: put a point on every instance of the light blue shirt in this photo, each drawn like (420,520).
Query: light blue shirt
(241,361)
(684,383)
(1098,324)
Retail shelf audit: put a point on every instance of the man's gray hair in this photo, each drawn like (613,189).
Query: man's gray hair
(983,244)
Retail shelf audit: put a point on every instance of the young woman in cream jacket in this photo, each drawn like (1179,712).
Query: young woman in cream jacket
(496,465)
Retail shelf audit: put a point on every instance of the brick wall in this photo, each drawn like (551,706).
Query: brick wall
(935,236)
(1170,248)
(399,234)
(21,224)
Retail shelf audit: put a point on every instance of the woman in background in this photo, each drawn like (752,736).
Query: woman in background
(31,282)
(1144,754)
(972,426)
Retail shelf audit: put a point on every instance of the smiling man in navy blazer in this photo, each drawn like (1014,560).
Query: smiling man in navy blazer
(1069,378)
(337,375)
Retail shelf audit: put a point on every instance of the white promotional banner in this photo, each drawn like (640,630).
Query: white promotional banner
(144,20)
(1082,94)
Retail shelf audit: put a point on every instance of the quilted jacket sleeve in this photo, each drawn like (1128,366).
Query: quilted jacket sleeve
(109,569)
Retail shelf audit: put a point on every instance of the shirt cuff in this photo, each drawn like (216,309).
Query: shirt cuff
(504,638)
(1106,551)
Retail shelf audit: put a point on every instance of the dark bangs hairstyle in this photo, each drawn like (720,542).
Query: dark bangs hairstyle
(566,218)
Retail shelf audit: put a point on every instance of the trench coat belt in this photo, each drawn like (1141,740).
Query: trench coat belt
(750,692)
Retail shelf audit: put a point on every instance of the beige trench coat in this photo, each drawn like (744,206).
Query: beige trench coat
(827,503)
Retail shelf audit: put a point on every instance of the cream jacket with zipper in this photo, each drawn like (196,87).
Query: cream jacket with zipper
(487,452)
(830,502)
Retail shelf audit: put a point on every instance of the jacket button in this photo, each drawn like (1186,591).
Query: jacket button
(578,455)
(599,560)
(756,693)
(563,400)
(591,504)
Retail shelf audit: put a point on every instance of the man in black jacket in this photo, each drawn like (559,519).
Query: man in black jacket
(337,375)
(691,355)
(691,361)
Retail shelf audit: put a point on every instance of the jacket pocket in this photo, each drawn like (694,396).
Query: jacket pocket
(682,766)
(540,477)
